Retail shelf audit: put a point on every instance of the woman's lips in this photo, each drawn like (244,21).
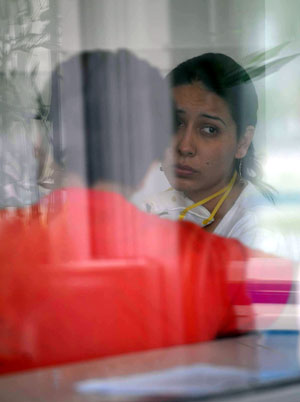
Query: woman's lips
(183,170)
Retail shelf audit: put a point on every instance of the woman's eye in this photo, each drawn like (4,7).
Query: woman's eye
(179,123)
(209,130)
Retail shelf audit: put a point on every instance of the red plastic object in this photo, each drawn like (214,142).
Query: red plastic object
(84,312)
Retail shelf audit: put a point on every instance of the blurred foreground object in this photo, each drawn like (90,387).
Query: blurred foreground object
(111,285)
(123,283)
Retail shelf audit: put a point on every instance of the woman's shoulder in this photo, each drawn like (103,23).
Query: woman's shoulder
(244,211)
(248,221)
(252,198)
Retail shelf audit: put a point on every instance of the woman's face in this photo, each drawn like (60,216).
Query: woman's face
(200,160)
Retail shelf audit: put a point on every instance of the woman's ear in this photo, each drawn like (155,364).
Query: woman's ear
(244,142)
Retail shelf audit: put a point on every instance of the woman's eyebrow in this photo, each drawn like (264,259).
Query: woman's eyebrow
(178,110)
(209,116)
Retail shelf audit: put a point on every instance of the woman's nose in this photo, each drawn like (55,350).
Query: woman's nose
(186,144)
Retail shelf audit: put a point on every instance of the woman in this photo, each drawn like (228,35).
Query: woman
(211,164)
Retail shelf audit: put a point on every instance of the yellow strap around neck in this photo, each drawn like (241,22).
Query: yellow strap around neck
(226,190)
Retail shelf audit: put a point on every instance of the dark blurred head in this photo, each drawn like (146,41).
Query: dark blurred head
(226,78)
(111,116)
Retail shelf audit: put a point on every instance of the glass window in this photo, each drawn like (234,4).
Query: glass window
(112,112)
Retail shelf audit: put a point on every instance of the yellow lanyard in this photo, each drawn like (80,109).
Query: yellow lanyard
(226,190)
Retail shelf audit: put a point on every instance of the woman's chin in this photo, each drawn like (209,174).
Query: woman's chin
(180,184)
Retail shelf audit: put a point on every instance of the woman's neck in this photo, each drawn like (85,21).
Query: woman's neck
(235,192)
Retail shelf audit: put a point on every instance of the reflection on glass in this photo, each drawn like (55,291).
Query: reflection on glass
(86,275)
